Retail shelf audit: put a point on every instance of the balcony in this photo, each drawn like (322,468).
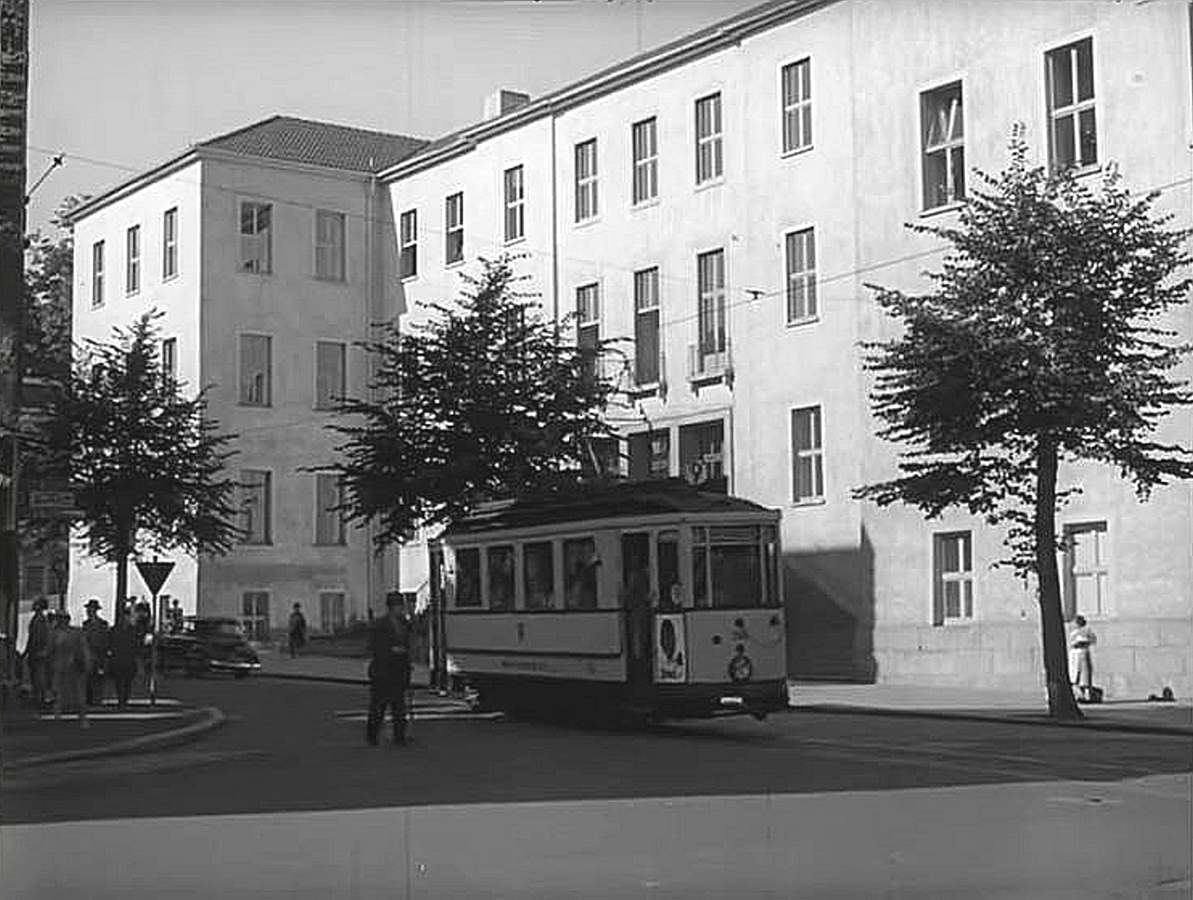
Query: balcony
(709,368)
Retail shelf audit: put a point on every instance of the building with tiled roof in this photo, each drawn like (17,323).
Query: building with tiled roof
(269,251)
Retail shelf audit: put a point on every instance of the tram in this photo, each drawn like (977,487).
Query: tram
(643,600)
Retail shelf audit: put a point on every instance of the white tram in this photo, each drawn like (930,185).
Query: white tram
(650,599)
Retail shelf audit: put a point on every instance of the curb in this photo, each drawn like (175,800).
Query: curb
(1085,724)
(209,719)
(327,679)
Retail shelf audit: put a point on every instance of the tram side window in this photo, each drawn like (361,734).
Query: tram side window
(579,574)
(727,567)
(501,577)
(538,572)
(670,590)
(468,577)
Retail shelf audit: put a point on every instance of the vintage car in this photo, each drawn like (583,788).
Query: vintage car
(207,644)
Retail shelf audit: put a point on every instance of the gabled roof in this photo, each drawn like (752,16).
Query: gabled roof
(717,36)
(317,144)
(672,496)
(286,139)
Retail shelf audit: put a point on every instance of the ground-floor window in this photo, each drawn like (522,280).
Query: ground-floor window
(254,614)
(1087,574)
(952,565)
(332,616)
(702,455)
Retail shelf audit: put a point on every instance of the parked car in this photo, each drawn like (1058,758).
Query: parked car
(208,644)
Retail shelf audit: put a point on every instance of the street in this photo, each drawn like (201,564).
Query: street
(287,796)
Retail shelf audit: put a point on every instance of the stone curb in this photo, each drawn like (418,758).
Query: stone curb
(1009,719)
(209,719)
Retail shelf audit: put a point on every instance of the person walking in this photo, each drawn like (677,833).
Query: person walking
(389,670)
(123,649)
(96,631)
(1081,658)
(70,664)
(37,653)
(298,630)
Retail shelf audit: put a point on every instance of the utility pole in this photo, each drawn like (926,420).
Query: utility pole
(14,78)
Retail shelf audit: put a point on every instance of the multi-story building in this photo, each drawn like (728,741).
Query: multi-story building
(268,252)
(723,201)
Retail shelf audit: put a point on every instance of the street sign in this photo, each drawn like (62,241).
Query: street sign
(154,574)
(42,501)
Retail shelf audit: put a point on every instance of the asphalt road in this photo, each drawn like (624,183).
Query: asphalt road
(292,746)
(287,801)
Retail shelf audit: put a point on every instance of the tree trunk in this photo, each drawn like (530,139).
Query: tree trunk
(1061,704)
(122,555)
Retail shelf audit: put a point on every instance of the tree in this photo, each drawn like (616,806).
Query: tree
(49,264)
(1039,344)
(146,464)
(483,400)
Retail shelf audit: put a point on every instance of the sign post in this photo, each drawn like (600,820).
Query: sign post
(154,574)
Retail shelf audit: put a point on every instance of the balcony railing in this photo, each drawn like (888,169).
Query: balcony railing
(704,367)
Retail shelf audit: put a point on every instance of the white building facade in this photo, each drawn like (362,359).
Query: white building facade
(721,203)
(267,252)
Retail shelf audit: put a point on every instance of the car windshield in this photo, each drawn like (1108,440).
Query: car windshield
(217,629)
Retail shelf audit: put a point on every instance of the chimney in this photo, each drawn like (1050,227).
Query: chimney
(501,102)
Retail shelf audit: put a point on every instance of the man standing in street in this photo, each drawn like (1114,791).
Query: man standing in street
(122,659)
(298,630)
(37,653)
(389,670)
(95,629)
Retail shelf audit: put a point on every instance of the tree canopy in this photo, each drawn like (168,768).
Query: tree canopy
(147,467)
(483,399)
(1042,341)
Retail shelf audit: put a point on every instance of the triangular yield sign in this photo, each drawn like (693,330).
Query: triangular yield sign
(154,574)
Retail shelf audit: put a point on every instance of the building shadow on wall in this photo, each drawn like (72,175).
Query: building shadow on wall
(829,600)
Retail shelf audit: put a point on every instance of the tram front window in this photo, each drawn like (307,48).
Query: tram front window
(728,567)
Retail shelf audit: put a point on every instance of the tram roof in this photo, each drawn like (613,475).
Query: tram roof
(577,504)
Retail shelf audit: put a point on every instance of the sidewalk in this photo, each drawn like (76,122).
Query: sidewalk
(33,739)
(1138,715)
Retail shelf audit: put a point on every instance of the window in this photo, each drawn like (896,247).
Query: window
(586,180)
(579,574)
(515,202)
(97,274)
(650,455)
(329,245)
(538,573)
(1072,125)
(454,229)
(254,507)
(797,105)
(255,352)
(408,244)
(254,618)
(468,577)
(170,359)
(170,243)
(1087,575)
(329,373)
(952,566)
(646,326)
(256,244)
(734,566)
(801,276)
(807,452)
(500,566)
(644,137)
(132,260)
(332,617)
(330,530)
(588,327)
(710,284)
(709,164)
(943,135)
(702,455)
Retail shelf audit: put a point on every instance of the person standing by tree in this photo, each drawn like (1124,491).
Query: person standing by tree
(389,670)
(70,664)
(95,629)
(37,653)
(298,630)
(122,659)
(1081,658)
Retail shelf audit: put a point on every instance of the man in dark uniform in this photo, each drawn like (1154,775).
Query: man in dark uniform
(37,652)
(389,670)
(96,630)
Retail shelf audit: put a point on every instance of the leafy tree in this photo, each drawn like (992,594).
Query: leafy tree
(1040,343)
(483,400)
(146,464)
(49,262)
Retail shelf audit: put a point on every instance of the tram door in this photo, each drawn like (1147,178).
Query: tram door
(635,581)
